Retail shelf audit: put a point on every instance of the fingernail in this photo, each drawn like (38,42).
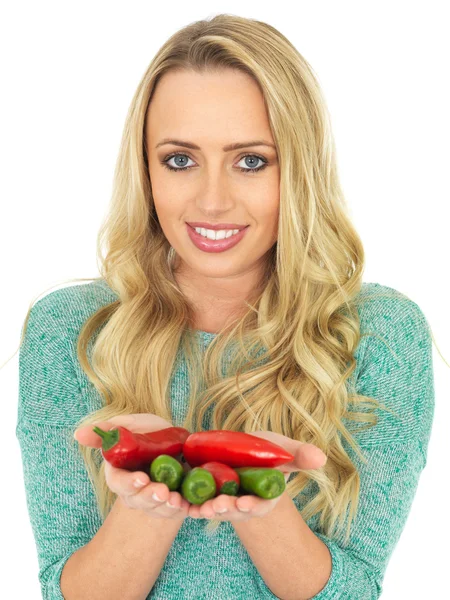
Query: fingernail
(138,483)
(221,510)
(242,509)
(170,505)
(155,497)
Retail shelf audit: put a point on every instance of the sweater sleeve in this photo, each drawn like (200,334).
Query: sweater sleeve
(395,450)
(388,486)
(61,503)
(404,382)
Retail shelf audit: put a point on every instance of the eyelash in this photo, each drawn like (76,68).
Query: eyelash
(263,166)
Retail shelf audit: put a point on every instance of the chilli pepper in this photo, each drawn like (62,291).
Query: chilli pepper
(265,483)
(166,469)
(198,486)
(234,448)
(225,478)
(125,449)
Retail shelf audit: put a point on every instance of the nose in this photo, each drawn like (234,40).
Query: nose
(215,197)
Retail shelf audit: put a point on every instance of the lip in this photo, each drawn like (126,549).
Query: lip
(217,227)
(207,245)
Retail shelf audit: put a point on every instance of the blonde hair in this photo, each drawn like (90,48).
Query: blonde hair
(293,348)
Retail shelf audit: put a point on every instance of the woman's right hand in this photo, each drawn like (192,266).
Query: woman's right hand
(171,505)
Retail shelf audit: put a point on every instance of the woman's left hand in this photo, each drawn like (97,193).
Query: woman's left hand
(306,456)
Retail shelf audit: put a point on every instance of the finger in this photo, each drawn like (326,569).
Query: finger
(309,456)
(207,510)
(176,501)
(137,422)
(194,511)
(256,507)
(141,422)
(169,505)
(86,436)
(184,504)
(223,503)
(247,504)
(306,456)
(125,483)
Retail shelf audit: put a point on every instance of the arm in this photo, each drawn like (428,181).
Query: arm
(294,563)
(290,561)
(123,559)
(66,522)
(293,566)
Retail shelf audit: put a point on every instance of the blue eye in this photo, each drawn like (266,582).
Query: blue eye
(166,160)
(165,163)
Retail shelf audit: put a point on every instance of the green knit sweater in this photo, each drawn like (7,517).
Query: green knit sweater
(54,394)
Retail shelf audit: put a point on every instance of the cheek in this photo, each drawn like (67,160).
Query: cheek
(269,201)
(275,208)
(160,190)
(264,211)
(263,201)
(165,190)
(166,199)
(275,217)
(266,214)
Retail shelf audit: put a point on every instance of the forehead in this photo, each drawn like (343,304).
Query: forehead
(192,106)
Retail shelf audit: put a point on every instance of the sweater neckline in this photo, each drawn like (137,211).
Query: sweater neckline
(205,334)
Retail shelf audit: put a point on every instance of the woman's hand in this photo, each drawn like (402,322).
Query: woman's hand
(306,456)
(171,505)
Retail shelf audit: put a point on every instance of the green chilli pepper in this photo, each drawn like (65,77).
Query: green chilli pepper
(166,469)
(265,483)
(198,486)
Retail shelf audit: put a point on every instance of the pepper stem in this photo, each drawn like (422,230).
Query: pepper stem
(109,438)
(230,488)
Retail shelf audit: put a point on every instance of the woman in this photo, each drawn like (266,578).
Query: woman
(268,330)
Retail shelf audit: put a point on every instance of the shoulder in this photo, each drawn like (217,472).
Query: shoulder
(385,311)
(394,364)
(88,296)
(49,373)
(56,319)
(69,307)
(375,296)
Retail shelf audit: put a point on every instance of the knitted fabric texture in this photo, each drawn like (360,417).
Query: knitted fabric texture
(54,394)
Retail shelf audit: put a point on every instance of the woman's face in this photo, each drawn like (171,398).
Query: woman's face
(211,111)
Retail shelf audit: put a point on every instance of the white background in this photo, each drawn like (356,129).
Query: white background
(69,71)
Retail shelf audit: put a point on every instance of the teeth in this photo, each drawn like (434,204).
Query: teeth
(216,235)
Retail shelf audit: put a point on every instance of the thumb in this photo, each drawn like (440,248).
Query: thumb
(86,435)
(136,422)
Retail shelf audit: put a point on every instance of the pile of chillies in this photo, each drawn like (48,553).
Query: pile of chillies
(200,465)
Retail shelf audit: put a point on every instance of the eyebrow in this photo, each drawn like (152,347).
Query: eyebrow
(228,148)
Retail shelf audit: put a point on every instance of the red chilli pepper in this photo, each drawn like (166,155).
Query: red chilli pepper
(125,449)
(226,479)
(234,448)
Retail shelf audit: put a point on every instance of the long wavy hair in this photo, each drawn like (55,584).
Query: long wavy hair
(293,348)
